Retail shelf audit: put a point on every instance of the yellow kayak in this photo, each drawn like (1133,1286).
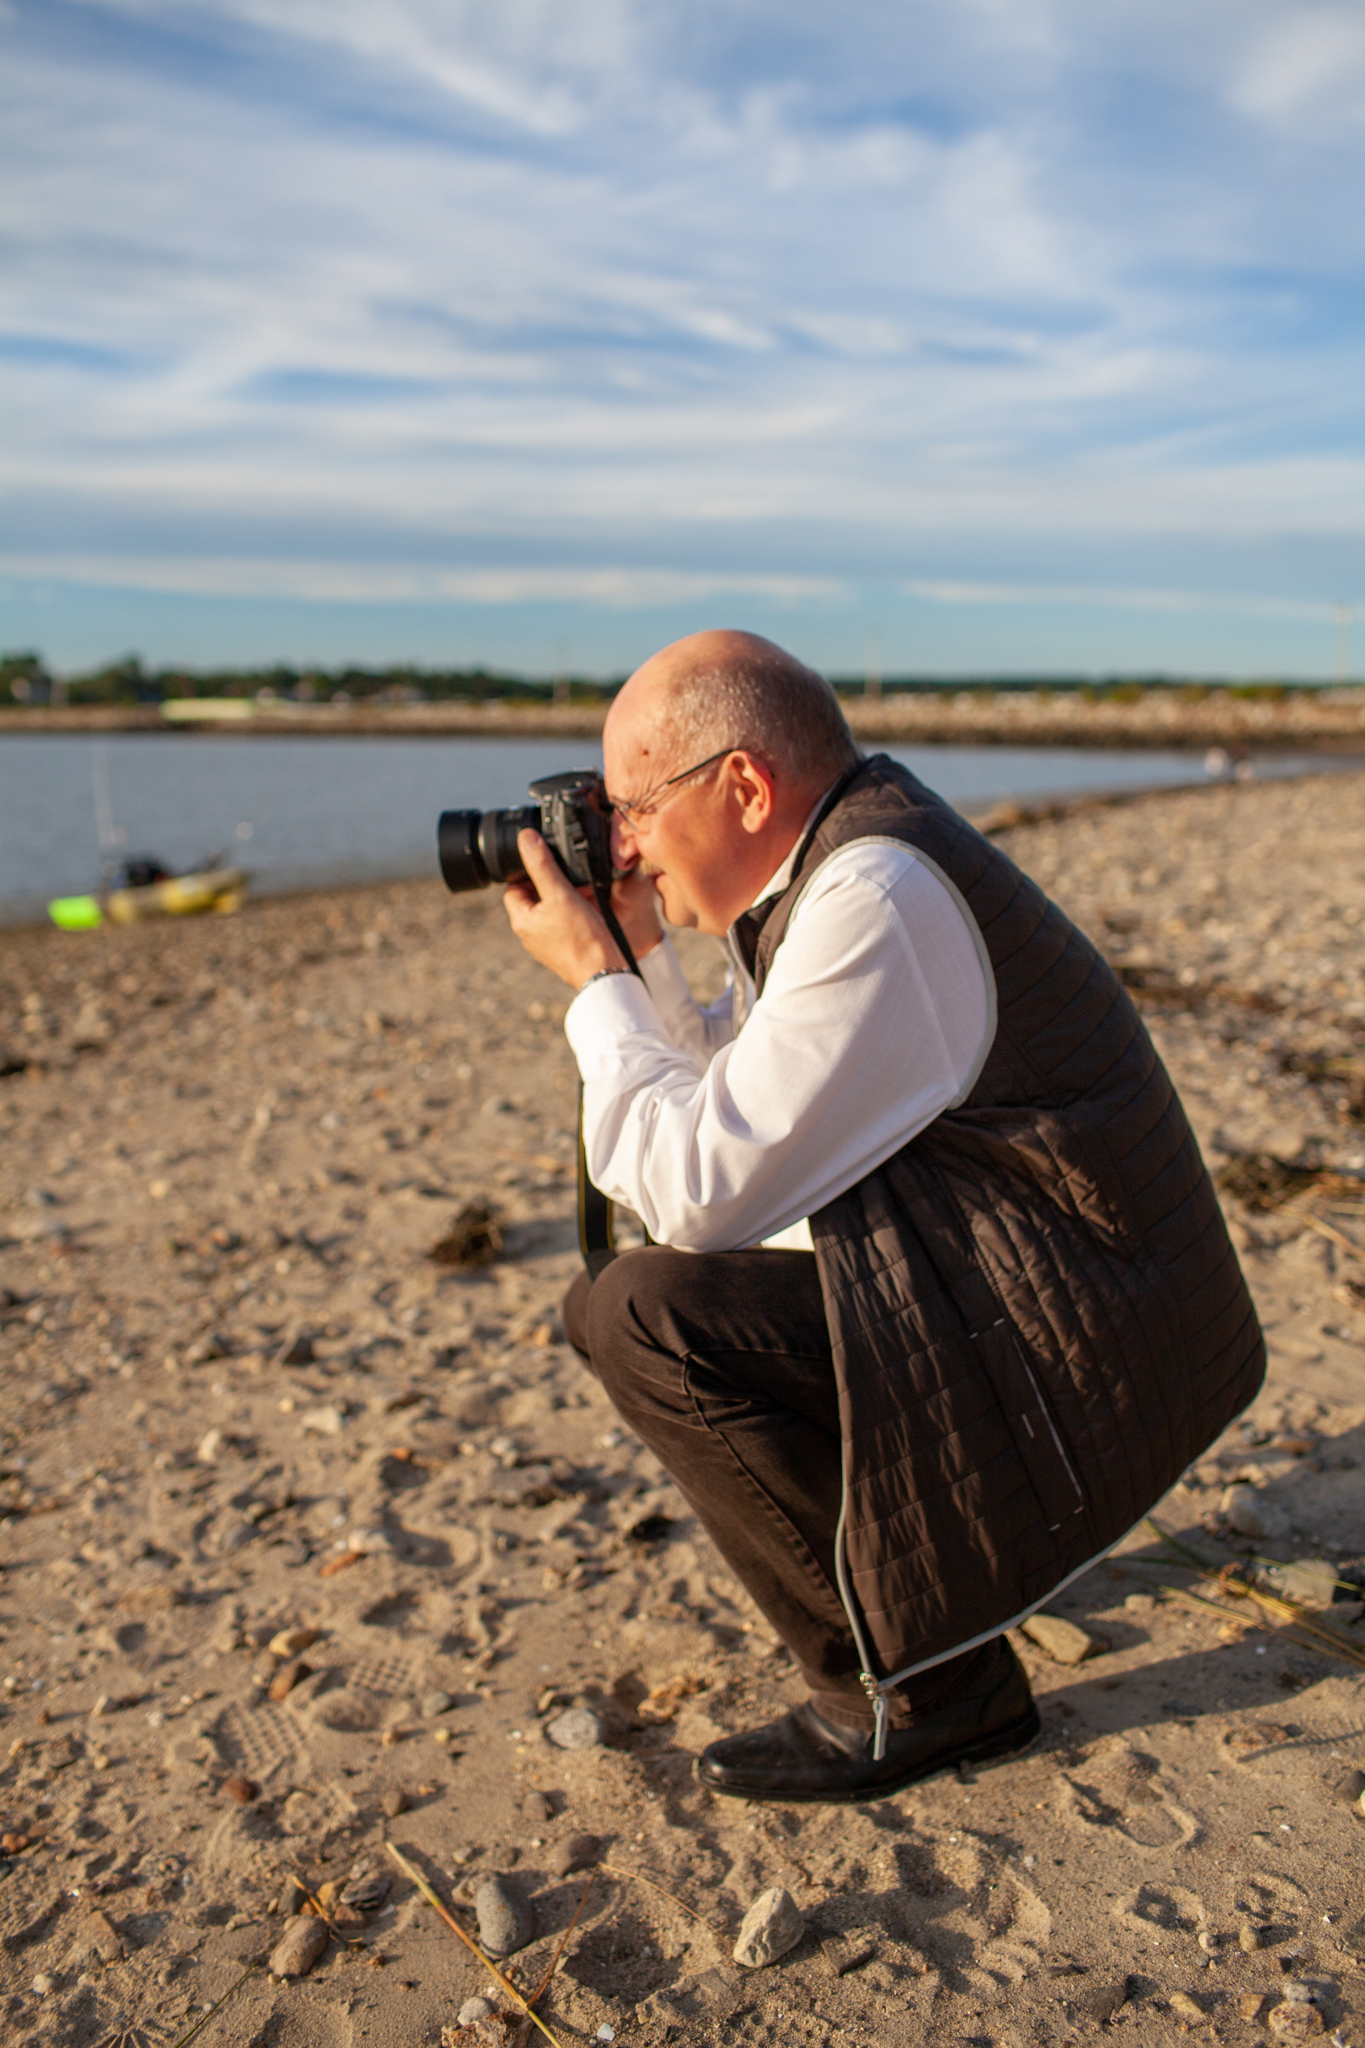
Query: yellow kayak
(221,889)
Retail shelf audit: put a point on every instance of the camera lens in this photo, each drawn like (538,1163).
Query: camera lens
(479,848)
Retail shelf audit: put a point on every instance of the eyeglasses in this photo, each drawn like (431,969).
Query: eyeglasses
(641,807)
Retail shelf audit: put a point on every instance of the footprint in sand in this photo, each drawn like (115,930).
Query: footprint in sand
(1165,1908)
(972,1917)
(1121,1791)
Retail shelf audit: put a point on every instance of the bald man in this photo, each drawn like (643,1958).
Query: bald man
(940,1301)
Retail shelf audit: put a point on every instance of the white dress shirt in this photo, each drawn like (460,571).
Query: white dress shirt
(726,1127)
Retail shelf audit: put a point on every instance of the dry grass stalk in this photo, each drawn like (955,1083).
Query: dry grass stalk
(618,1870)
(415,1876)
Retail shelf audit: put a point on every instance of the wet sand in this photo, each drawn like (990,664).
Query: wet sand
(241,1398)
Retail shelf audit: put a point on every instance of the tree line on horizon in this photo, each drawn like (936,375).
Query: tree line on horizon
(27,681)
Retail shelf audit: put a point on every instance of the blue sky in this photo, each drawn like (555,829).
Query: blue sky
(1024,334)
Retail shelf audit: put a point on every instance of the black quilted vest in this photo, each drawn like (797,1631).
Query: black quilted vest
(1037,1317)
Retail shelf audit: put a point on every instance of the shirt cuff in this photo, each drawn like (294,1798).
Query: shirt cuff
(603,1016)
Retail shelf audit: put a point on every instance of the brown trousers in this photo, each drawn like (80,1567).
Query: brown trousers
(720,1362)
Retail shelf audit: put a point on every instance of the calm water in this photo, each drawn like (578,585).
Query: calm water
(303,813)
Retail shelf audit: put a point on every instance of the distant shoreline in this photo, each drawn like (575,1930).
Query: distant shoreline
(1333,721)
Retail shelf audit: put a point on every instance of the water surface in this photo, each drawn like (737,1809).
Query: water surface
(308,813)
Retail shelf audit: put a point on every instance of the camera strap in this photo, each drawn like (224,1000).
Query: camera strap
(596,1226)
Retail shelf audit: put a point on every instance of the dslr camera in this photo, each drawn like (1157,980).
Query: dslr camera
(572,816)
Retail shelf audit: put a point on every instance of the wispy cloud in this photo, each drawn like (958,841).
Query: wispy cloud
(430,302)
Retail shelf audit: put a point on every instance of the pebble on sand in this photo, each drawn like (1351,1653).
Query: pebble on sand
(243,1790)
(287,1677)
(771,1926)
(290,1642)
(394,1802)
(472,2011)
(1251,1514)
(506,1920)
(1297,2018)
(579,1728)
(1062,1640)
(299,1947)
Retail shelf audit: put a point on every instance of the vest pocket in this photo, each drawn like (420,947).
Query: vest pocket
(1031,1424)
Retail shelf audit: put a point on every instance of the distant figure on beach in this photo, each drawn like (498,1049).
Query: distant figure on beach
(939,1301)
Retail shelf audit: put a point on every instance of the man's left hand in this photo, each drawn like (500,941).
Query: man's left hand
(562,929)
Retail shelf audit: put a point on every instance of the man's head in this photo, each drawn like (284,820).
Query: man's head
(767,737)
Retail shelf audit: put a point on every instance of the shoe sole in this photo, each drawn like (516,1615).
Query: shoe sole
(1005,1743)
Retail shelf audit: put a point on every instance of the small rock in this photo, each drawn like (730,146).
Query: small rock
(210,1447)
(1347,1785)
(43,1984)
(291,1899)
(575,1852)
(1186,2007)
(1099,2002)
(1251,2004)
(290,1642)
(298,1351)
(506,1921)
(472,2011)
(325,1421)
(1249,1938)
(287,1677)
(536,1807)
(532,1486)
(365,1890)
(394,1802)
(1251,1514)
(1139,1603)
(99,1937)
(579,1728)
(1312,1581)
(1062,1640)
(434,1703)
(243,1790)
(771,1926)
(299,1947)
(1298,2018)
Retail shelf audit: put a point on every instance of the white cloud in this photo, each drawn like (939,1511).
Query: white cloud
(620,284)
(1307,66)
(618,589)
(1072,595)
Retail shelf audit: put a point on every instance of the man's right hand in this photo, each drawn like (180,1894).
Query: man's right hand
(637,910)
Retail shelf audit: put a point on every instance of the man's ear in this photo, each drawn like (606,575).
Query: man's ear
(754,789)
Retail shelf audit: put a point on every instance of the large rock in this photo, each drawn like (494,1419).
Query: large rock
(771,1926)
(1062,1640)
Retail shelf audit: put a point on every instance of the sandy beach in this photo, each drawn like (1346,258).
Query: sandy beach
(313,1541)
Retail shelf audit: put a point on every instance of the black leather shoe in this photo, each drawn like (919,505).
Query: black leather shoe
(804,1757)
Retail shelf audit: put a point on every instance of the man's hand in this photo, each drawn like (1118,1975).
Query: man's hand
(557,926)
(637,911)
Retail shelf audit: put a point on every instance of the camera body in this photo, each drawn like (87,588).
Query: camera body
(571,813)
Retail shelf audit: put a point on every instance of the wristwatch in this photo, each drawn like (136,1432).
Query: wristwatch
(601,975)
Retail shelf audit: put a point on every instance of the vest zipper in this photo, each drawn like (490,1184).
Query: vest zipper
(875,1688)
